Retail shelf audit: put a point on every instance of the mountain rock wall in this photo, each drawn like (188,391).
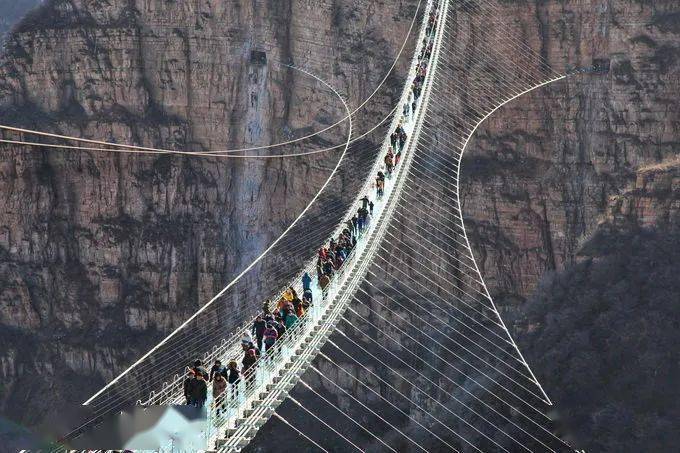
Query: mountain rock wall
(539,174)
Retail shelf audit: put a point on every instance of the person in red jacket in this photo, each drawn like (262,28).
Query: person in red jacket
(270,336)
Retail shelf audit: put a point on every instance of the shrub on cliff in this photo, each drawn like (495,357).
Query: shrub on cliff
(606,341)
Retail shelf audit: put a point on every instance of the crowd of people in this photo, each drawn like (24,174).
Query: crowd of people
(276,319)
(399,136)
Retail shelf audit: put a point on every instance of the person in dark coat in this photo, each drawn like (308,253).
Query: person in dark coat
(280,327)
(199,369)
(319,269)
(189,384)
(199,391)
(258,330)
(217,368)
(364,201)
(248,366)
(233,376)
(307,298)
(327,268)
(393,139)
(267,308)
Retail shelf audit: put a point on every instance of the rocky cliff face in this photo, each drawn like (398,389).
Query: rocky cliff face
(114,250)
(539,175)
(561,187)
(601,331)
(652,201)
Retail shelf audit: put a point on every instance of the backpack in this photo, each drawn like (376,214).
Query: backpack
(324,281)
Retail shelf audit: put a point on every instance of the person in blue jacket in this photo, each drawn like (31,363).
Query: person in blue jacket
(306,282)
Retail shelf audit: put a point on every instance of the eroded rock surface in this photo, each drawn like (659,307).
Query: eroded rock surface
(539,174)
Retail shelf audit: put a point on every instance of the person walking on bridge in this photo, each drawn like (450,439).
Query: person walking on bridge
(306,282)
(350,227)
(247,339)
(389,161)
(219,386)
(417,88)
(199,392)
(328,267)
(362,213)
(307,297)
(198,369)
(248,366)
(233,376)
(323,284)
(217,368)
(319,269)
(280,327)
(300,309)
(289,294)
(402,141)
(189,384)
(291,319)
(270,336)
(267,308)
(364,202)
(258,330)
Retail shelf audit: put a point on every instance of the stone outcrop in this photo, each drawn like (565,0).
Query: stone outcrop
(652,201)
(540,173)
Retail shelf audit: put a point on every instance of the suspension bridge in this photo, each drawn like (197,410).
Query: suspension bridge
(407,319)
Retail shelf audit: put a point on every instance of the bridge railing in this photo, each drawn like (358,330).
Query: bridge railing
(223,414)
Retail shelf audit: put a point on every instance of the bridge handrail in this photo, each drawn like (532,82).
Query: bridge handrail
(270,363)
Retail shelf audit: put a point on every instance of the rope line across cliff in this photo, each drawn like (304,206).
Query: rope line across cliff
(123,148)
